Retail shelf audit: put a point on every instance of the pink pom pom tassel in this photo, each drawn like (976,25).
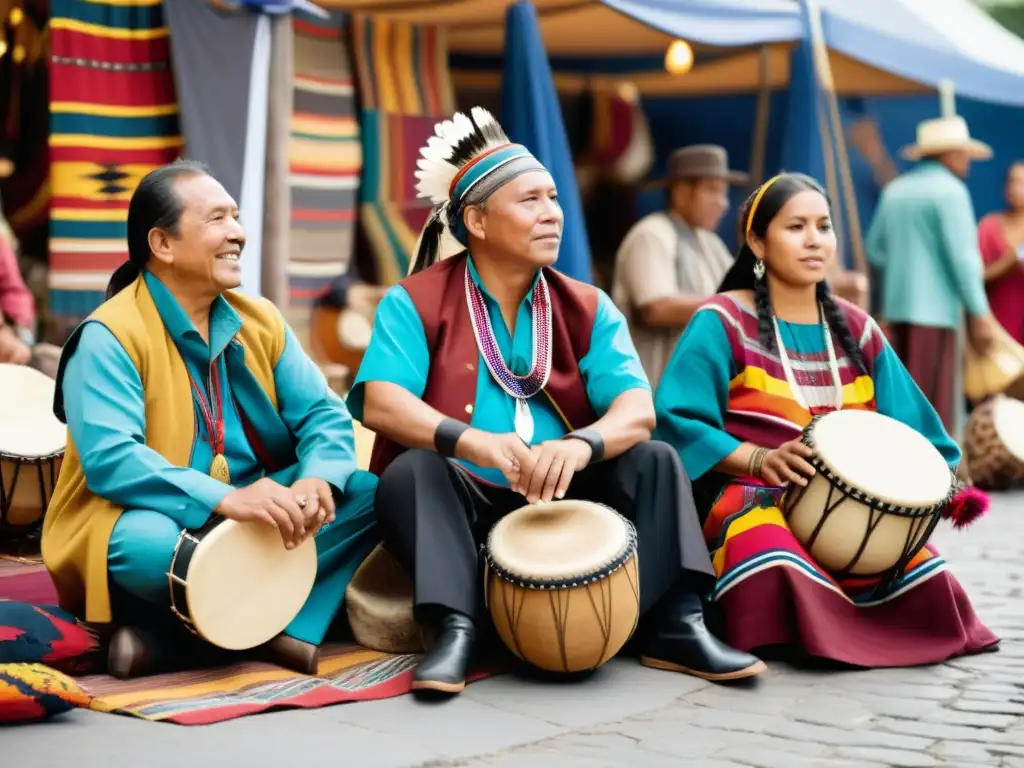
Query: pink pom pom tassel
(967,506)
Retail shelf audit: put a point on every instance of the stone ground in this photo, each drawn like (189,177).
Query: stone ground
(965,713)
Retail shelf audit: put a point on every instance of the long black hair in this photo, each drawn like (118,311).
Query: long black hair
(741,275)
(154,204)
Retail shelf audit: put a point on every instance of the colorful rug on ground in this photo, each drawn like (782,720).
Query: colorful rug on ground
(348,672)
(404,88)
(325,159)
(113,118)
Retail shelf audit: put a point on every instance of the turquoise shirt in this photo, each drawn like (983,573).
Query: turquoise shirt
(398,354)
(694,393)
(924,239)
(104,405)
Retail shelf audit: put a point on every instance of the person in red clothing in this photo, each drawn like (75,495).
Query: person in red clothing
(18,318)
(1001,241)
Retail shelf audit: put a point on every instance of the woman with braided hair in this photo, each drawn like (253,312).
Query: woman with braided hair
(771,350)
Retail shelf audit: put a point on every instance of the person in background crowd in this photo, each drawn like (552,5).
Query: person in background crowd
(670,261)
(1001,240)
(924,240)
(18,318)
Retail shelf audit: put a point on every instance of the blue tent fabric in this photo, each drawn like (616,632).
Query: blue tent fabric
(531,116)
(889,35)
(717,22)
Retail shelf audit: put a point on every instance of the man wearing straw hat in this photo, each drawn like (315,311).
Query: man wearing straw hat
(924,240)
(672,260)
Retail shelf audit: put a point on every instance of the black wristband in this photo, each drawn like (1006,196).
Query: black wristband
(592,438)
(447,435)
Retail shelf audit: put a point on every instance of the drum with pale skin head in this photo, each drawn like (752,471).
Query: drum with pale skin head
(32,445)
(562,585)
(235,585)
(878,491)
(994,444)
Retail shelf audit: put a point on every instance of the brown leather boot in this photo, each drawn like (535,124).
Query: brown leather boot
(293,654)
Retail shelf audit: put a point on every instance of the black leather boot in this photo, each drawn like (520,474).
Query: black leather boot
(444,667)
(681,643)
(138,652)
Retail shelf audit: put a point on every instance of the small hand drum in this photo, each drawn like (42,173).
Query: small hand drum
(878,492)
(562,584)
(236,585)
(32,445)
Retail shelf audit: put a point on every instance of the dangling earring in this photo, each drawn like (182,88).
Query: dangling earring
(758,269)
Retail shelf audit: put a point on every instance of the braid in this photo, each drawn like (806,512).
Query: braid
(763,304)
(837,322)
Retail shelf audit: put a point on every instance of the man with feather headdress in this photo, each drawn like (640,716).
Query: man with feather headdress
(460,350)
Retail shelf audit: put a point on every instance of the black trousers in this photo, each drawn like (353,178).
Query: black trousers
(434,515)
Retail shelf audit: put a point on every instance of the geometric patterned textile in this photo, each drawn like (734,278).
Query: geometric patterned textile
(113,118)
(325,158)
(404,89)
(33,692)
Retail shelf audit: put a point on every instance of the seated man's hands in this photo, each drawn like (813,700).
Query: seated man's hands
(505,452)
(12,348)
(268,502)
(555,462)
(319,509)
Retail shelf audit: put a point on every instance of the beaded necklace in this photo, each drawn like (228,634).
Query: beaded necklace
(519,388)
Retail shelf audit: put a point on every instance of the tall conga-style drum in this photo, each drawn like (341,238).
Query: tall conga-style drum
(994,444)
(562,584)
(32,445)
(878,491)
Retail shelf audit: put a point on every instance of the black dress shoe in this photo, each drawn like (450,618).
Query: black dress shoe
(684,644)
(444,667)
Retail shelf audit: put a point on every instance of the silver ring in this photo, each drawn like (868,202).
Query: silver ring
(301,501)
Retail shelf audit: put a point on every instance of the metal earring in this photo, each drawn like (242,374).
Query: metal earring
(758,269)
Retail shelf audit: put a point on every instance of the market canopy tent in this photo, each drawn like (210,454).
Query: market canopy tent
(877,46)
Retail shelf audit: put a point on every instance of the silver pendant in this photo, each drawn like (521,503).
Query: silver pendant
(524,420)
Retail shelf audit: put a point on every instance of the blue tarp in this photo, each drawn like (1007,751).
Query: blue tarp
(531,115)
(717,22)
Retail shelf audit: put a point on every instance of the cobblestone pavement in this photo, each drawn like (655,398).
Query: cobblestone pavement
(969,712)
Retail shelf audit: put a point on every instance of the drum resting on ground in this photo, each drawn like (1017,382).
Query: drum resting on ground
(562,585)
(994,444)
(32,445)
(878,491)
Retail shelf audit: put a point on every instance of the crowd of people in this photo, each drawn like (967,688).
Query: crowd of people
(493,381)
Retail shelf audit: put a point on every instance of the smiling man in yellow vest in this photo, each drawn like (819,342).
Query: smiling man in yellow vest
(185,400)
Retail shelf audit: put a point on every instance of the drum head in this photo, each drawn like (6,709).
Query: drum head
(1008,418)
(354,330)
(244,587)
(882,457)
(558,540)
(28,428)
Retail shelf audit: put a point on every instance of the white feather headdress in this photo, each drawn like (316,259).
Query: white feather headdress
(455,142)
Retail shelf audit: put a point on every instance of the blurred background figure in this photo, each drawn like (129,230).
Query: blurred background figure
(18,316)
(672,260)
(1001,240)
(924,241)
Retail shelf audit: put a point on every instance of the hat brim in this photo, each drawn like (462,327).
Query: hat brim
(735,178)
(977,150)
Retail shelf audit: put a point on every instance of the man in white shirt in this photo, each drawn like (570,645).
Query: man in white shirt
(672,260)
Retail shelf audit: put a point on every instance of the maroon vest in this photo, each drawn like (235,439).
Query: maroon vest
(439,295)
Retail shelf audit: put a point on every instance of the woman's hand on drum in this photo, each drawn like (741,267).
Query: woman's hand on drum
(319,508)
(556,461)
(787,464)
(505,452)
(267,502)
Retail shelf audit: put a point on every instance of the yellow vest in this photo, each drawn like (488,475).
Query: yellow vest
(78,524)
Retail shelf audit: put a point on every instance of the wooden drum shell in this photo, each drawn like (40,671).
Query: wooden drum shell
(26,487)
(991,464)
(835,548)
(572,629)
